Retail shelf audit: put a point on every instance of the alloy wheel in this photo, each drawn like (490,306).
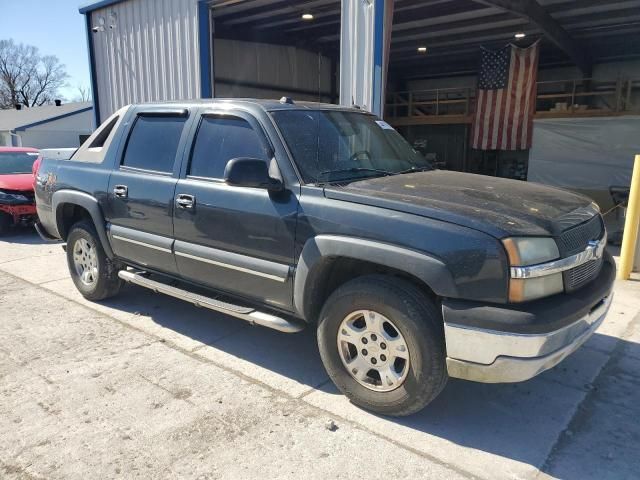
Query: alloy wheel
(373,350)
(85,261)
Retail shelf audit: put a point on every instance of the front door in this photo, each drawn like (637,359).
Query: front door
(235,239)
(142,187)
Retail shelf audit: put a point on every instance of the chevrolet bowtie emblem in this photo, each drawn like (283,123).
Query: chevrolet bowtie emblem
(596,247)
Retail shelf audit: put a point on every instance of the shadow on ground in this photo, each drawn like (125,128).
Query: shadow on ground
(24,236)
(521,422)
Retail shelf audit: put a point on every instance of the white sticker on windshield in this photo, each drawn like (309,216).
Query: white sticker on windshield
(33,154)
(384,125)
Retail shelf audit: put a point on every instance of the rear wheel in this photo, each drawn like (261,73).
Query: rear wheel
(94,275)
(381,341)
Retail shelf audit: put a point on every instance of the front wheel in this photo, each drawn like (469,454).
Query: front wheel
(94,275)
(381,341)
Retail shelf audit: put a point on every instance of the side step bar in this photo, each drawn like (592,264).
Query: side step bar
(248,314)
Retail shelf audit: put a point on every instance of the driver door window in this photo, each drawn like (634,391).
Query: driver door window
(220,139)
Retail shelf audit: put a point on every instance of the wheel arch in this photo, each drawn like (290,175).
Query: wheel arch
(70,206)
(328,261)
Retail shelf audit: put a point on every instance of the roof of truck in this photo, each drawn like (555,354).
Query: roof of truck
(265,104)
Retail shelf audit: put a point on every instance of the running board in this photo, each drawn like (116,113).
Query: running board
(247,314)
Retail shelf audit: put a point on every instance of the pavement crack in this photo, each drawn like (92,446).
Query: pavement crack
(181,394)
(315,388)
(14,468)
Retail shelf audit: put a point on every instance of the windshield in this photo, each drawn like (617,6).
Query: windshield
(332,146)
(16,162)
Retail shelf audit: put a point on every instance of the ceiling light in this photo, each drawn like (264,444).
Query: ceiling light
(520,35)
(422,49)
(307,16)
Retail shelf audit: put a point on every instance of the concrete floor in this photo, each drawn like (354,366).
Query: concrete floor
(145,386)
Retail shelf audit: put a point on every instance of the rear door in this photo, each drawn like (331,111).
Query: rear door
(235,239)
(142,187)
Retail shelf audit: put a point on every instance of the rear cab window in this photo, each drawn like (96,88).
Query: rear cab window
(153,143)
(221,138)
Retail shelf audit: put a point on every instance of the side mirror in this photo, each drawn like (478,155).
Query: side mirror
(250,172)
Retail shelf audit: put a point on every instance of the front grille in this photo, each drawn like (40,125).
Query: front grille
(576,239)
(580,276)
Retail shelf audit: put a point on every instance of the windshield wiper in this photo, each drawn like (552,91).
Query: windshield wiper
(355,170)
(414,170)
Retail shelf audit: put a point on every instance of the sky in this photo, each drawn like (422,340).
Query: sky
(56,28)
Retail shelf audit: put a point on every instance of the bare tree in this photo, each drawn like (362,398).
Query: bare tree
(27,77)
(83,94)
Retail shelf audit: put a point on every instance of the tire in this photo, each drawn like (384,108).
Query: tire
(5,222)
(404,310)
(102,281)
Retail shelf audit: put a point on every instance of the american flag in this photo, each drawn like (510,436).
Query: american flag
(505,101)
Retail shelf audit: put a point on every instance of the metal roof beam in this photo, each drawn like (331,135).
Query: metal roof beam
(427,18)
(265,12)
(503,34)
(533,11)
(462,28)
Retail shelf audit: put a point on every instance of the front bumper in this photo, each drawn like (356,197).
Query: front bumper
(531,340)
(18,210)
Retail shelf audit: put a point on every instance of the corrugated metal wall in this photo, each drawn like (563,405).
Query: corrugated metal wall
(365,39)
(357,34)
(147,51)
(260,70)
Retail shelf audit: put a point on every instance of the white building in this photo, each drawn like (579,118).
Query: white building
(49,126)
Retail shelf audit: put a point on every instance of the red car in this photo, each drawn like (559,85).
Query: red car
(17,204)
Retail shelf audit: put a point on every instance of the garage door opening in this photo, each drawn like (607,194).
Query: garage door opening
(587,66)
(270,49)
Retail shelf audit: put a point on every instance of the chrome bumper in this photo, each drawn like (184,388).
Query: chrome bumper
(491,356)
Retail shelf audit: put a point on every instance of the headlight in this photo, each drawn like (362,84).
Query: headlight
(526,251)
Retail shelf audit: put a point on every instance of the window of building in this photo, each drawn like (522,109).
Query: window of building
(153,143)
(220,139)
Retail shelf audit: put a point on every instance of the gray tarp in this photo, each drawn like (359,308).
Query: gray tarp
(585,154)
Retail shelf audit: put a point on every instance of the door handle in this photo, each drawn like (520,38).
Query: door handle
(185,201)
(121,191)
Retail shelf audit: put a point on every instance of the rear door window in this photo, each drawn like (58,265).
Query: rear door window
(220,139)
(153,143)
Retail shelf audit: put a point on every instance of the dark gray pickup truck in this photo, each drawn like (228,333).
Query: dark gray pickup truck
(287,215)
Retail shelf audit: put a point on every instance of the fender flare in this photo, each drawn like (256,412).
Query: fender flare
(427,268)
(90,204)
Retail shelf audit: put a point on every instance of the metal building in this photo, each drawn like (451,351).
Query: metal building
(341,51)
(146,50)
(415,62)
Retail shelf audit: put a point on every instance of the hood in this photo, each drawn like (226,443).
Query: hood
(497,206)
(18,181)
